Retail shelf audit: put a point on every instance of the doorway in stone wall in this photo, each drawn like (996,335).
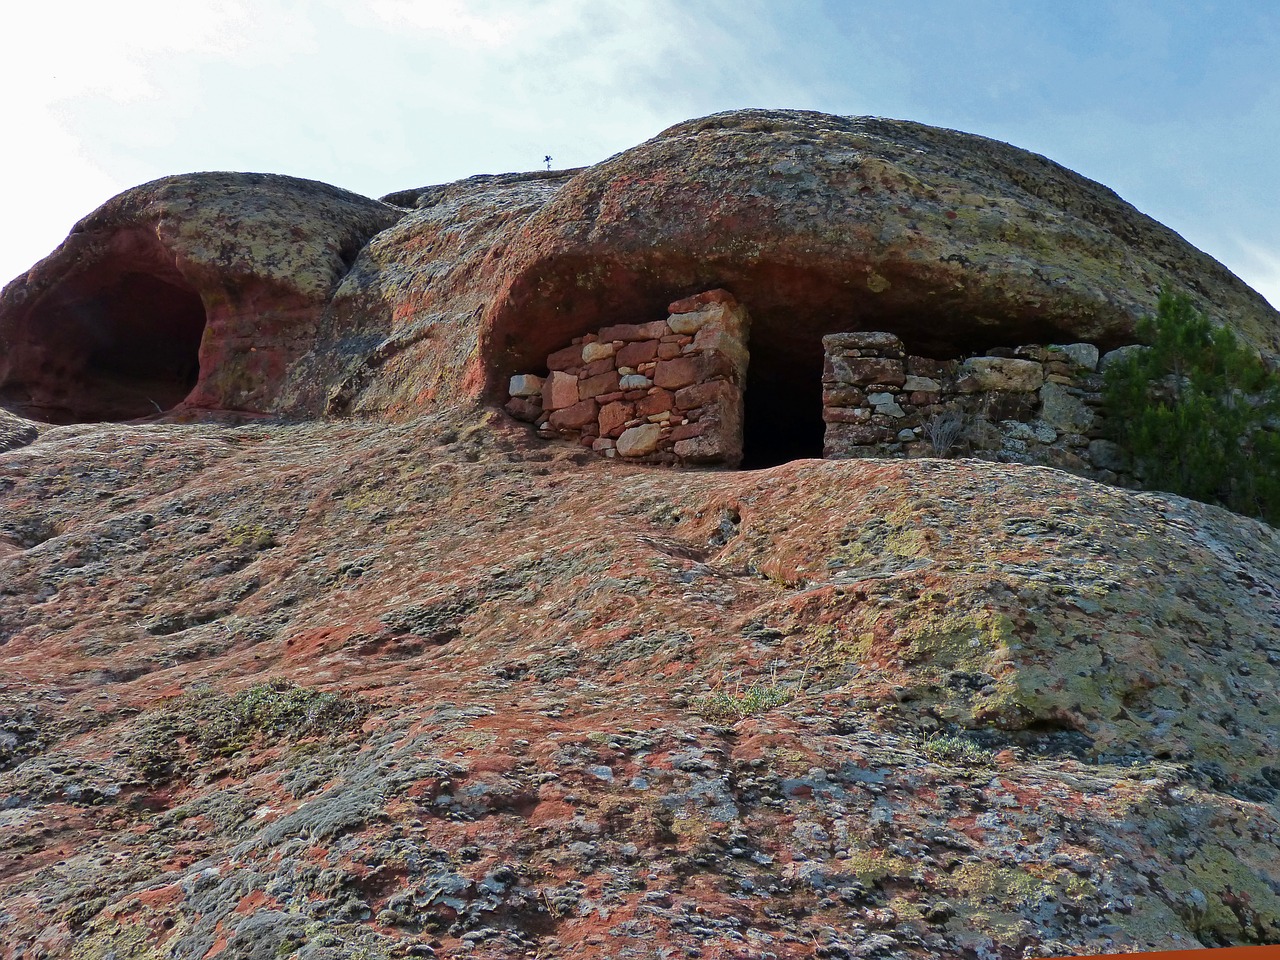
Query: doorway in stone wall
(782,417)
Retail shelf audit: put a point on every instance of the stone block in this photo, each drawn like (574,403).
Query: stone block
(1083,355)
(639,441)
(842,395)
(594,386)
(846,414)
(592,352)
(577,416)
(864,371)
(667,350)
(678,372)
(596,368)
(569,358)
(613,418)
(918,383)
(637,352)
(560,390)
(686,431)
(856,434)
(657,401)
(634,381)
(630,332)
(700,300)
(526,385)
(862,340)
(713,392)
(1119,354)
(1001,373)
(524,408)
(1061,409)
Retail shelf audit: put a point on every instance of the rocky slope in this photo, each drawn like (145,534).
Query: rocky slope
(392,677)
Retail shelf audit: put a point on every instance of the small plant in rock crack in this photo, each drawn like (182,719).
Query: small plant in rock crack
(943,431)
(945,748)
(741,702)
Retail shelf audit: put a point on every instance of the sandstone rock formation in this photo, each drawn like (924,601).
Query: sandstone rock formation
(339,659)
(198,289)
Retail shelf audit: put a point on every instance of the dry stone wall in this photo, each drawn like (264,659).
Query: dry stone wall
(1032,404)
(668,391)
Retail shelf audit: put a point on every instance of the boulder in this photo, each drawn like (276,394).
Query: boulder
(198,289)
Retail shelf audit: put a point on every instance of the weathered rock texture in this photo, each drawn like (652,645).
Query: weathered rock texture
(398,678)
(198,289)
(818,224)
(668,391)
(1035,405)
(581,708)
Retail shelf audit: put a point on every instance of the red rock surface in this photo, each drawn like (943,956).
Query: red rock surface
(551,705)
(394,678)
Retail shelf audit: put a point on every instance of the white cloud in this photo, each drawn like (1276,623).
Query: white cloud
(1259,267)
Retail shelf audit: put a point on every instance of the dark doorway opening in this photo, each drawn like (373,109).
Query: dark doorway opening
(782,417)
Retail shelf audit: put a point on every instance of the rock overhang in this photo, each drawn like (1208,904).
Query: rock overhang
(823,224)
(817,224)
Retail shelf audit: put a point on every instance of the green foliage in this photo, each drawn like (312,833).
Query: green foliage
(217,724)
(944,748)
(1196,410)
(724,705)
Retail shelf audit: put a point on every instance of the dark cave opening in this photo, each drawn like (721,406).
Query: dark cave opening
(782,417)
(118,342)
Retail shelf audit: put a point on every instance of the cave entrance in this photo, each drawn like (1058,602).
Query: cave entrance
(782,415)
(120,341)
(143,352)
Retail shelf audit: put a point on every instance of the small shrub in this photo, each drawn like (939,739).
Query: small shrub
(943,431)
(1197,412)
(738,704)
(945,748)
(217,724)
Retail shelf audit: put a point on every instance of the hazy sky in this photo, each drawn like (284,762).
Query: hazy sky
(1175,105)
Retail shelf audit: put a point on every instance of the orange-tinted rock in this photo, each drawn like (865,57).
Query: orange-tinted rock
(679,372)
(575,417)
(559,390)
(641,351)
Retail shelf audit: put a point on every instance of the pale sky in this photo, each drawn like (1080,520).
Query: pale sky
(1173,104)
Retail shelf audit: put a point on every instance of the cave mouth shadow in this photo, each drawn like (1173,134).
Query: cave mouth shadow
(782,410)
(116,343)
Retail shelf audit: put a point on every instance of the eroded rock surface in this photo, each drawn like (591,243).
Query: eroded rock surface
(340,689)
(197,289)
(395,678)
(817,224)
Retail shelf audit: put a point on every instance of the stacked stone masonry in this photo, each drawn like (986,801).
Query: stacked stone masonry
(1031,404)
(668,391)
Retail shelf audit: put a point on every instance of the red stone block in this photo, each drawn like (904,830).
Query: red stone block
(657,401)
(614,417)
(641,351)
(523,409)
(668,350)
(603,365)
(560,390)
(577,416)
(595,386)
(704,394)
(686,431)
(568,358)
(678,372)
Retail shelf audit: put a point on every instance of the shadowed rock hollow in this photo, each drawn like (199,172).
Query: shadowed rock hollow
(367,669)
